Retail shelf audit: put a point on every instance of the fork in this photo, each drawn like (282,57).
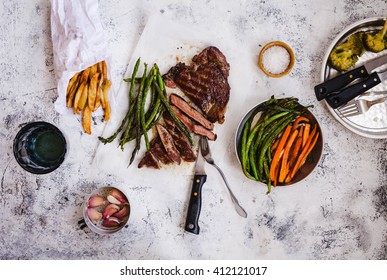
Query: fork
(206,153)
(359,106)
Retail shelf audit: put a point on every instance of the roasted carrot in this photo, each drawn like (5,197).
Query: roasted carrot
(276,173)
(301,131)
(279,151)
(312,144)
(305,134)
(275,144)
(298,120)
(295,151)
(285,163)
(304,152)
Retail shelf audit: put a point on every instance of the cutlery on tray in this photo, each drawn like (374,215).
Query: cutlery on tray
(353,91)
(339,82)
(359,106)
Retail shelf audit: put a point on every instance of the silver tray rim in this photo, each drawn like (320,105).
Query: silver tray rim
(375,133)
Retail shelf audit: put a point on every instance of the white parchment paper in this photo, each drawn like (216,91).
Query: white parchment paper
(165,42)
(78,42)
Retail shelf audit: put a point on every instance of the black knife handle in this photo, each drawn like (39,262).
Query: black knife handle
(195,204)
(337,83)
(351,92)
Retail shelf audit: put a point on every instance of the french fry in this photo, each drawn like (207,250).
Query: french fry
(86,120)
(93,91)
(78,97)
(106,87)
(85,75)
(70,97)
(71,83)
(84,98)
(99,93)
(100,67)
(93,70)
(107,111)
(104,70)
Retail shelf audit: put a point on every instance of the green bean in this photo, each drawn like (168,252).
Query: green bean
(243,150)
(136,80)
(148,84)
(131,89)
(138,115)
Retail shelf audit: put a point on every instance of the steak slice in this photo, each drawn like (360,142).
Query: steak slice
(180,103)
(181,142)
(191,126)
(168,143)
(156,153)
(149,160)
(159,152)
(205,82)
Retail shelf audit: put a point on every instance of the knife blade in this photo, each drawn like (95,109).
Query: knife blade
(195,201)
(351,92)
(338,83)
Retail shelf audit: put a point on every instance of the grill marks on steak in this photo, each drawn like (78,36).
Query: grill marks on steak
(204,82)
(181,142)
(170,142)
(155,155)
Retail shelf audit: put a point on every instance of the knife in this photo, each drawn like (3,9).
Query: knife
(337,83)
(351,92)
(195,202)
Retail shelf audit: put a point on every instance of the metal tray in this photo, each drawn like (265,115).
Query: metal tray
(358,124)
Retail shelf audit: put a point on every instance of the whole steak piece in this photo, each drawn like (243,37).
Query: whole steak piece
(204,82)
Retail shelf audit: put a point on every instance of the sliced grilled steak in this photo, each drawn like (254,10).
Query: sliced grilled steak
(155,154)
(180,103)
(149,161)
(168,143)
(181,142)
(191,126)
(205,82)
(159,152)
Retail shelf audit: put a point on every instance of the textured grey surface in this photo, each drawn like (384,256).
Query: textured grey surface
(339,212)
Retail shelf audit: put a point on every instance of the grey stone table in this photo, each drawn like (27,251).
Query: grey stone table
(338,212)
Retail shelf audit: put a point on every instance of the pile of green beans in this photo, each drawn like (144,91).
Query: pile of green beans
(259,135)
(139,119)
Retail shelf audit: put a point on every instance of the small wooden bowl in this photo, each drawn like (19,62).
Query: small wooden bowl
(280,44)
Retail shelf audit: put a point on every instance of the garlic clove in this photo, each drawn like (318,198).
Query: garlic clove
(113,200)
(96,200)
(110,210)
(111,222)
(93,214)
(119,196)
(123,212)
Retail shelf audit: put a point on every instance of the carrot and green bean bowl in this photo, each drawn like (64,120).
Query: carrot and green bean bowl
(279,142)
